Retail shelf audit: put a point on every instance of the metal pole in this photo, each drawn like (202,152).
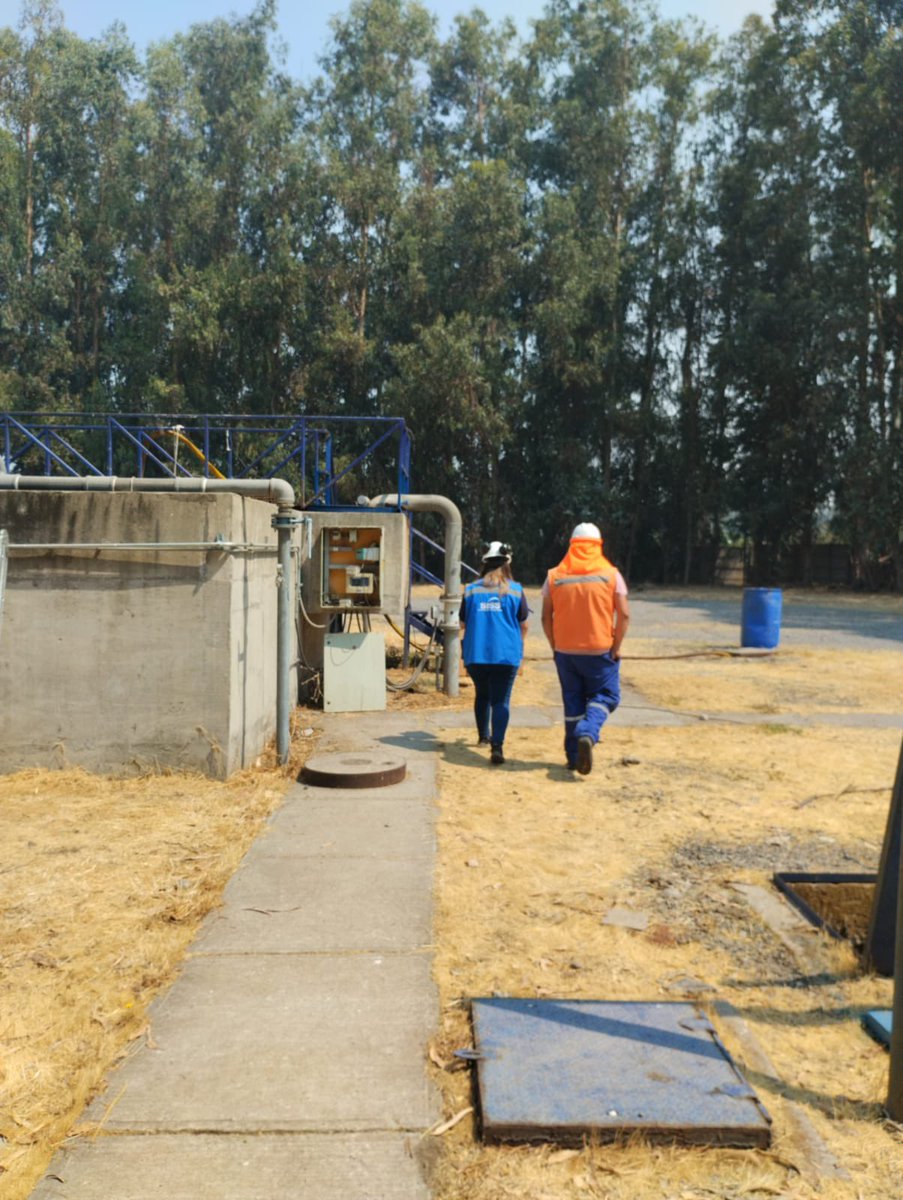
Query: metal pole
(451,597)
(895,1082)
(4,558)
(284,522)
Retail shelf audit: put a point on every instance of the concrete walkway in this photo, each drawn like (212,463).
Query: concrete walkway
(288,1059)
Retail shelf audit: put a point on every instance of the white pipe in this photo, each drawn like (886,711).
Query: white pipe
(4,546)
(274,491)
(451,599)
(223,547)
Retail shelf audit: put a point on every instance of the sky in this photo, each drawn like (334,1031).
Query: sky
(304,26)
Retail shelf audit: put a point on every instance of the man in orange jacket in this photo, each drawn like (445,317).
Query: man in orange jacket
(585,614)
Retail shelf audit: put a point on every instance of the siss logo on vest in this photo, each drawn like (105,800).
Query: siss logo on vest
(490,606)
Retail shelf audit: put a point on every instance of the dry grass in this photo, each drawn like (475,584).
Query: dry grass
(800,681)
(531,858)
(103,884)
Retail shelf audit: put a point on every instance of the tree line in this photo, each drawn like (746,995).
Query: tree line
(617,270)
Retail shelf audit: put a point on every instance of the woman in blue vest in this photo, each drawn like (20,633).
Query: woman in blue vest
(494,622)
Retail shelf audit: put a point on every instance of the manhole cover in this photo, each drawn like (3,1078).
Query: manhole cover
(570,1070)
(354,770)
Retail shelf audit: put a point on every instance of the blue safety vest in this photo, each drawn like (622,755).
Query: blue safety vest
(492,624)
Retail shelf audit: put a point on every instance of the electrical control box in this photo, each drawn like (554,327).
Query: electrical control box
(357,561)
(351,568)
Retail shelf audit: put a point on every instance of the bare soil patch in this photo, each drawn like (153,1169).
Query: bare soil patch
(844,907)
(801,681)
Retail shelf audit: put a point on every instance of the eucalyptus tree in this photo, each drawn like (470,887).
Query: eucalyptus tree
(214,268)
(32,341)
(367,115)
(588,66)
(662,462)
(473,106)
(467,216)
(88,159)
(772,304)
(467,339)
(853,56)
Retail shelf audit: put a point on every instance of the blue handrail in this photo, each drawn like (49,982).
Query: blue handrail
(300,447)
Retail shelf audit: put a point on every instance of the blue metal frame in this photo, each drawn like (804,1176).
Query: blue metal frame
(299,447)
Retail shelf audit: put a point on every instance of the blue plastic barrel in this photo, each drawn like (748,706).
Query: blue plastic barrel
(760,624)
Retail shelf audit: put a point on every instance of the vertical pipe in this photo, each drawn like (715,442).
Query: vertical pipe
(303,460)
(284,611)
(451,598)
(406,644)
(895,1082)
(4,558)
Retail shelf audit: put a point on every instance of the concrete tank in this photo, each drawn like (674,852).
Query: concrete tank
(125,660)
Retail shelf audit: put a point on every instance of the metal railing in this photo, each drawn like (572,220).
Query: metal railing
(300,449)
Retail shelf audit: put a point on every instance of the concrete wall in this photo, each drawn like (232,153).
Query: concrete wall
(124,660)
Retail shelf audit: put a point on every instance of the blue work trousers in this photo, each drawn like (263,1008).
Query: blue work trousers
(591,691)
(492,684)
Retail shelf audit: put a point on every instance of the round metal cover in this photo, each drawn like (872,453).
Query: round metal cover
(354,769)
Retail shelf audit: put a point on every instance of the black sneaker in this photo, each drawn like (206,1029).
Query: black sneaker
(584,755)
(570,766)
(496,756)
(483,741)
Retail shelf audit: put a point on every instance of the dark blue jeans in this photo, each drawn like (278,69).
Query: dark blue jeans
(492,683)
(591,691)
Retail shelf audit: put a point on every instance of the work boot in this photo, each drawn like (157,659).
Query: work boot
(496,756)
(584,755)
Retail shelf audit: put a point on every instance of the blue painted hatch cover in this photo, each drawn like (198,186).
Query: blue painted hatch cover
(879,1022)
(566,1070)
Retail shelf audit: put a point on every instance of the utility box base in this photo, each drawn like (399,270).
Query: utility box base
(354,672)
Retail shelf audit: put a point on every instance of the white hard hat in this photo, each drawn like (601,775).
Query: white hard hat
(586,530)
(498,550)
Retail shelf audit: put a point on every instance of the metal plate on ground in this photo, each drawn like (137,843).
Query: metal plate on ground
(566,1070)
(354,769)
(879,1022)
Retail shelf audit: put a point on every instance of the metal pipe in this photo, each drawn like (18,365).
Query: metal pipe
(284,521)
(451,598)
(4,546)
(274,491)
(894,1103)
(225,547)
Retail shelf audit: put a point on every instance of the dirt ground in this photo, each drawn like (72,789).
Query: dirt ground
(104,882)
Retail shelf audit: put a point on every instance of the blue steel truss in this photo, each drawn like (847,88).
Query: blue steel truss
(315,454)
